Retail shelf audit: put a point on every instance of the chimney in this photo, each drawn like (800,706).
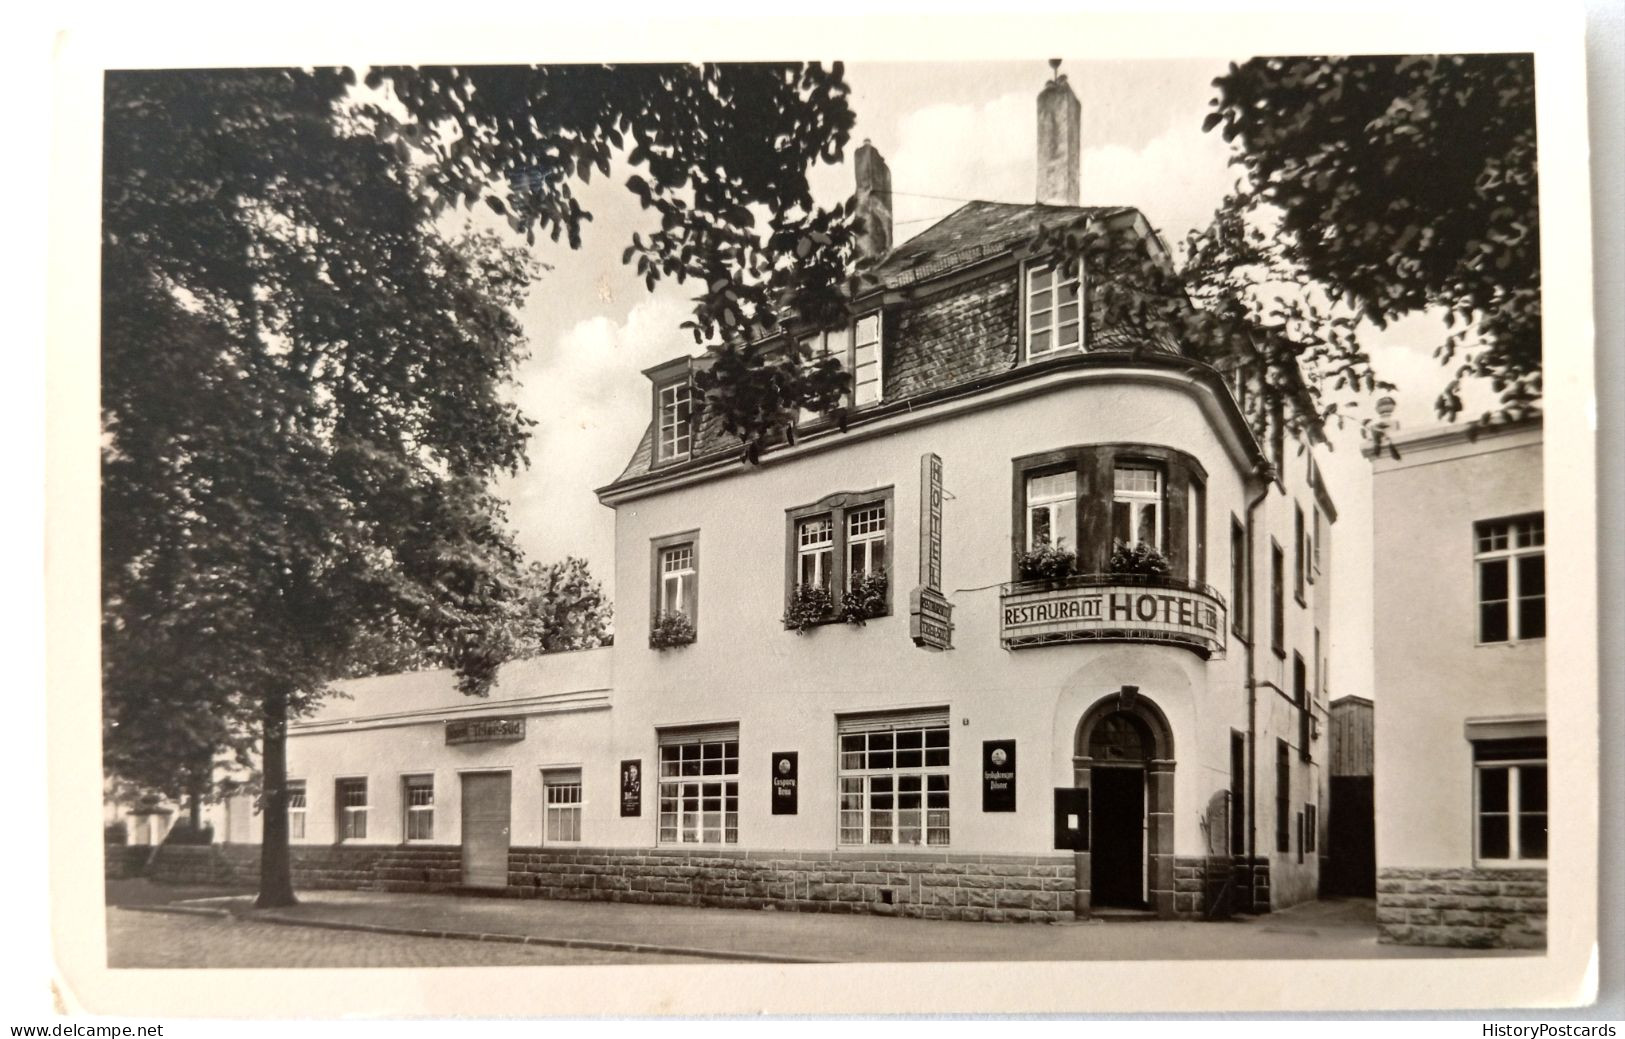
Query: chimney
(1385,414)
(874,201)
(1060,120)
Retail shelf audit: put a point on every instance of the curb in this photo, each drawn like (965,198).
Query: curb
(598,944)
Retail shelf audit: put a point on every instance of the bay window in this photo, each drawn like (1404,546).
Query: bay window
(894,782)
(1511,560)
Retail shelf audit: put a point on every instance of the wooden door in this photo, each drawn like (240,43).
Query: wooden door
(1117,845)
(486,827)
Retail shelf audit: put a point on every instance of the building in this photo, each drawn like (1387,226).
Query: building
(1349,857)
(916,665)
(1460,675)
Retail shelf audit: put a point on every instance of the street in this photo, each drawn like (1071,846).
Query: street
(137,939)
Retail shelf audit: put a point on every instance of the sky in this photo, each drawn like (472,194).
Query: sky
(950,132)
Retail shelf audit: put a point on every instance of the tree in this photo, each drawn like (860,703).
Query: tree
(303,406)
(559,608)
(720,154)
(304,380)
(1401,184)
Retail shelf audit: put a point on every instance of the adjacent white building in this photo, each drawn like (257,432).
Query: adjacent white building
(1460,686)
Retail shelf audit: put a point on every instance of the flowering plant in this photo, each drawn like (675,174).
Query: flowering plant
(1046,562)
(671,629)
(1138,558)
(809,604)
(865,598)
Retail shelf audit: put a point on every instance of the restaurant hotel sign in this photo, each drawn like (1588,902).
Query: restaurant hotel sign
(930,614)
(1084,608)
(485,730)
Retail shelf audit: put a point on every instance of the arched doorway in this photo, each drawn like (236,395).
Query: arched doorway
(1124,756)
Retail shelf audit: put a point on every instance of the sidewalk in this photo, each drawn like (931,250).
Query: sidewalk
(1333,929)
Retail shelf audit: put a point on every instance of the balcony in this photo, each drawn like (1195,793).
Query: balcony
(1113,608)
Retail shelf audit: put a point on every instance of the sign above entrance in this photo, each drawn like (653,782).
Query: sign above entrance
(1110,608)
(484,730)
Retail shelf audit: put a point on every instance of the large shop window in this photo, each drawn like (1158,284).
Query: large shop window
(894,779)
(352,805)
(867,350)
(296,809)
(563,789)
(699,786)
(1511,560)
(674,407)
(835,542)
(1511,800)
(419,808)
(1137,506)
(1054,310)
(676,576)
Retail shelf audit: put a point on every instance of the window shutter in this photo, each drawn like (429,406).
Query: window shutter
(887,720)
(699,734)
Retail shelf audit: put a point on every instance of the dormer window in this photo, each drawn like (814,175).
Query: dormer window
(866,357)
(1054,311)
(673,406)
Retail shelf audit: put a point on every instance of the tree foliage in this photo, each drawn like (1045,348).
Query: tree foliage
(1401,184)
(720,154)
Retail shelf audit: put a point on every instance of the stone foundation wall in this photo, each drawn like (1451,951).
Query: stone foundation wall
(124,860)
(1475,908)
(929,885)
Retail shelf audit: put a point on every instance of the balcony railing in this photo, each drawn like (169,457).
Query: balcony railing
(1113,608)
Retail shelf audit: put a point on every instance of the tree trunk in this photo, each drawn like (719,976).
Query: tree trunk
(276,869)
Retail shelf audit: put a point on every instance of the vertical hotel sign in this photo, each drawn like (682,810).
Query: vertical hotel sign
(930,614)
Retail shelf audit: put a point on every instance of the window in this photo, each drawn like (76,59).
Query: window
(1196,536)
(865,541)
(813,349)
(1283,796)
(1300,557)
(815,548)
(296,809)
(838,540)
(1311,827)
(674,438)
(699,787)
(1052,509)
(1238,577)
(1300,837)
(1054,314)
(352,804)
(866,355)
(1277,600)
(563,797)
(894,779)
(1311,547)
(1137,505)
(678,577)
(419,808)
(1300,696)
(1511,800)
(1511,560)
(1238,792)
(1277,420)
